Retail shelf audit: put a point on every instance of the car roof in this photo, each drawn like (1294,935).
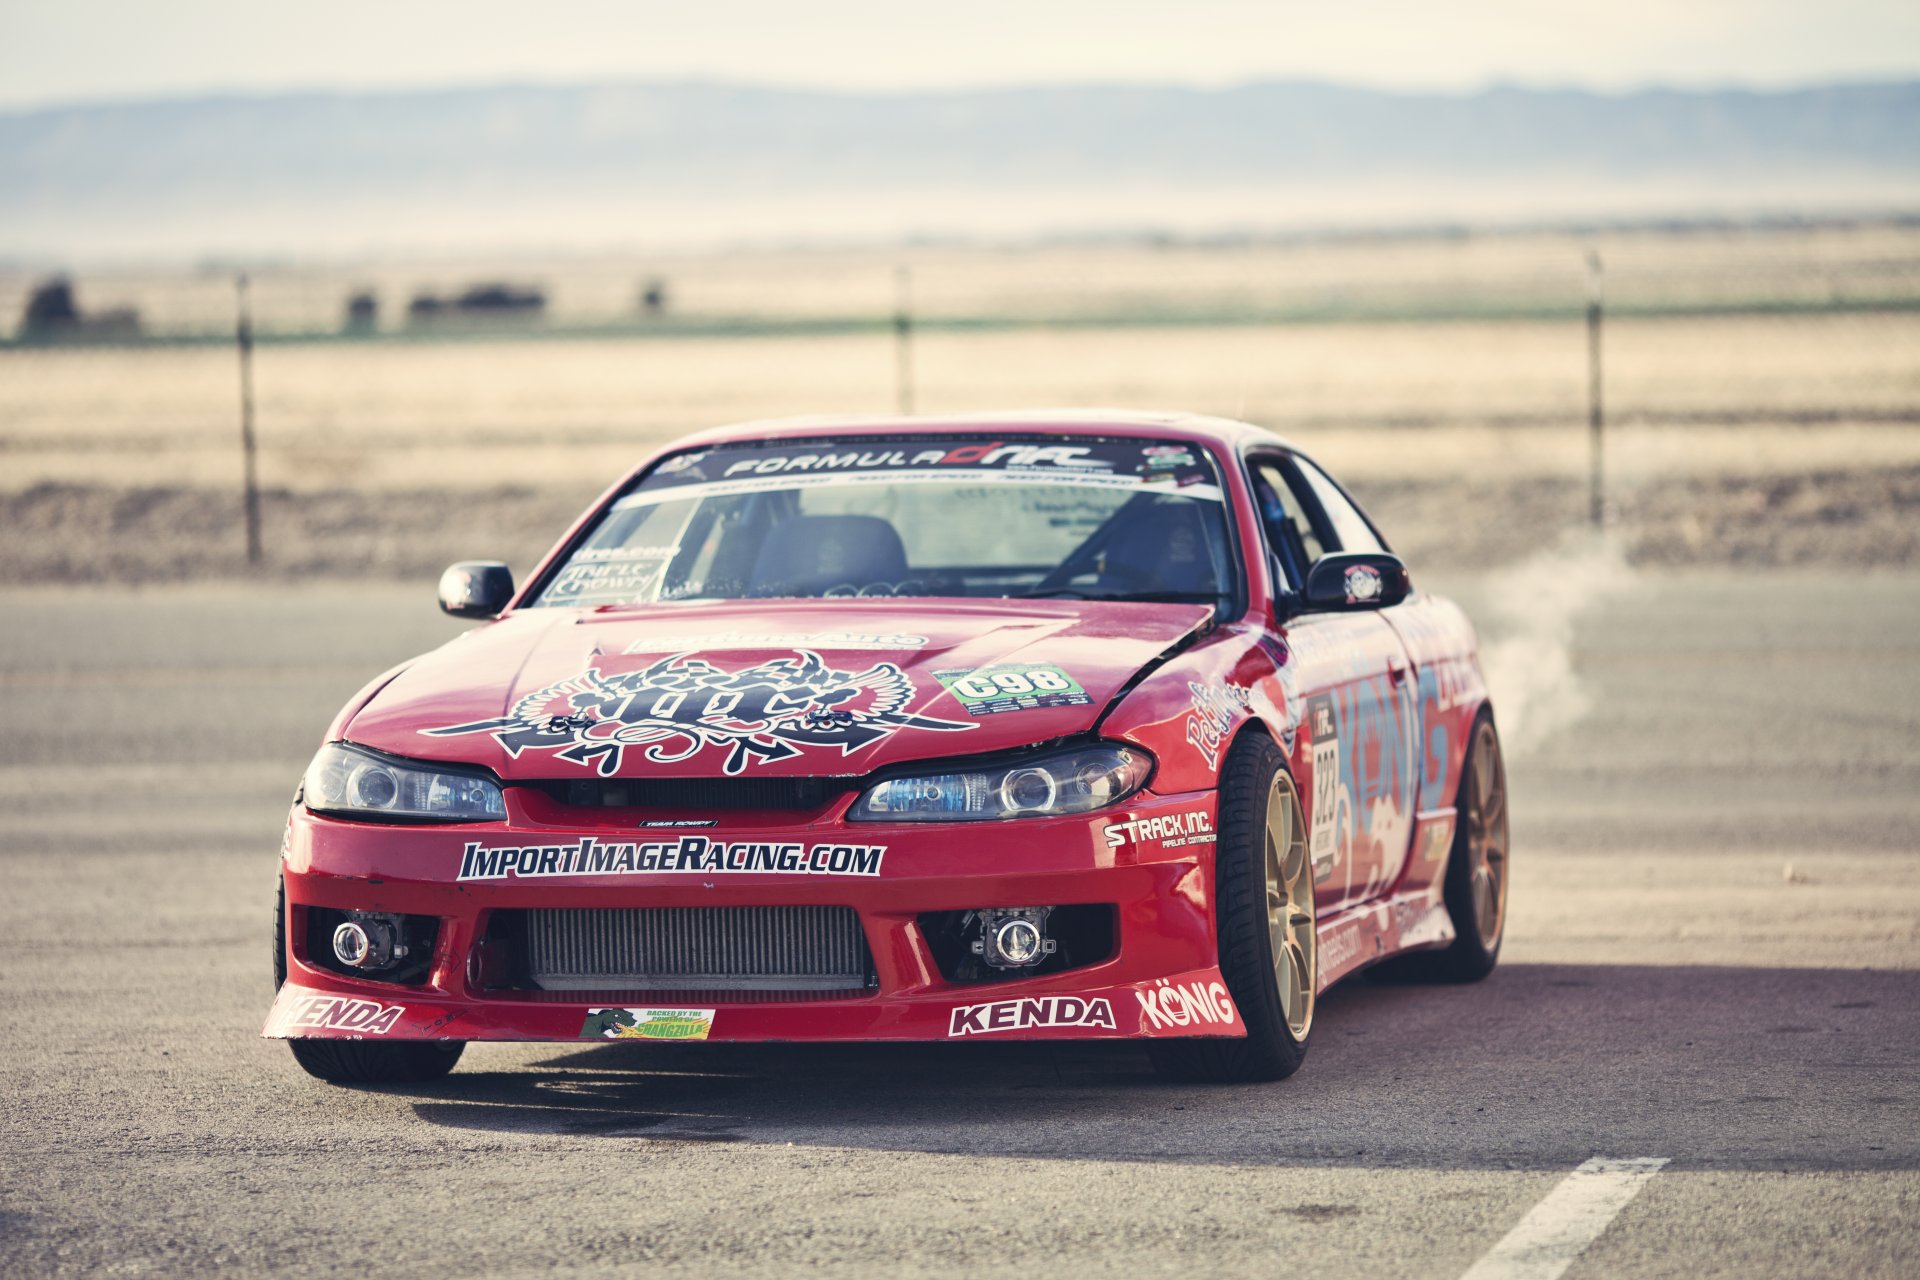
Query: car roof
(1193,427)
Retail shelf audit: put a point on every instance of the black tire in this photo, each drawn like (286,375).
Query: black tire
(359,1061)
(370,1062)
(1271,1050)
(1477,835)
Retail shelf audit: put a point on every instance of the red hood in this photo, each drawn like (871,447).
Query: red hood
(794,688)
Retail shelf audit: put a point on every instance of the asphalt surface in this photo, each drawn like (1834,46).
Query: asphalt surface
(1713,957)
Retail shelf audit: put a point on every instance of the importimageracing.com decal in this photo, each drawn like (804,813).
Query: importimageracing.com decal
(672,708)
(689,855)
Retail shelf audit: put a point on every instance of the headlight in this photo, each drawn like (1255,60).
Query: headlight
(1076,781)
(349,780)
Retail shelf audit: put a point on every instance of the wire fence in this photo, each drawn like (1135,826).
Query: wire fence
(1423,368)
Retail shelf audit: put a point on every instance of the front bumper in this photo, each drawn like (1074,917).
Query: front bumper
(1160,978)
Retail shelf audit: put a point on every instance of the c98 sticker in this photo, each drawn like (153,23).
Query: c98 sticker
(1024,687)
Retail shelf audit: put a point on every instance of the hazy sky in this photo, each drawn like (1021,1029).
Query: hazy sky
(65,50)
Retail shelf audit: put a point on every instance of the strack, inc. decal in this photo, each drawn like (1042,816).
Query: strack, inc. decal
(1172,830)
(342,1013)
(1034,1011)
(983,691)
(771,710)
(688,855)
(1215,708)
(647,1024)
(1186,1004)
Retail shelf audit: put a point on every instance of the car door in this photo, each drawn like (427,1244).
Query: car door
(1345,680)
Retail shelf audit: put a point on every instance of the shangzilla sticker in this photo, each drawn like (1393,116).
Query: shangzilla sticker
(674,707)
(1021,1015)
(647,1024)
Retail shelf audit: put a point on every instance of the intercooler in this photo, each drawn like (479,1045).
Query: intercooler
(697,949)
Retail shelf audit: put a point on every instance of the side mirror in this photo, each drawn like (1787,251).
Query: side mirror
(476,588)
(1371,580)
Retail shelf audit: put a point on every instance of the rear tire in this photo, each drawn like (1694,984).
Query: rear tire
(1477,870)
(1269,953)
(359,1061)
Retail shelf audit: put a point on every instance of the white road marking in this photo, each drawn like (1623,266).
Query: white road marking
(1573,1215)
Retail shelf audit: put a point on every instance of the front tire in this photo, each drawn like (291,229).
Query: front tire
(360,1061)
(1269,951)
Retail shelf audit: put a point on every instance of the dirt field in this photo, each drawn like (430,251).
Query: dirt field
(1757,414)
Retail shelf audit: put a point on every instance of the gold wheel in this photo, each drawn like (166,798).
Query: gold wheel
(1290,933)
(1486,822)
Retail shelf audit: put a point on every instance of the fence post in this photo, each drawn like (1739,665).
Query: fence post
(1596,414)
(903,338)
(243,335)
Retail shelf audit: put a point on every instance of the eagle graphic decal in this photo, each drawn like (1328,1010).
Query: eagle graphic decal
(673,708)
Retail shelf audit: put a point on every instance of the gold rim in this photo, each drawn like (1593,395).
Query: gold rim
(1290,907)
(1486,820)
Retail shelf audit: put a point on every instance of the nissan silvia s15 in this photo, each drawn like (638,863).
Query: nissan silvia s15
(988,728)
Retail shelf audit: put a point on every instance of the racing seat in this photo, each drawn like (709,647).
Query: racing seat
(1164,548)
(810,555)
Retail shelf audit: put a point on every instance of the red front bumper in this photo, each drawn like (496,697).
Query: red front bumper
(1161,977)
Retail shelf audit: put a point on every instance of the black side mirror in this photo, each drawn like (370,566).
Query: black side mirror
(1371,580)
(476,588)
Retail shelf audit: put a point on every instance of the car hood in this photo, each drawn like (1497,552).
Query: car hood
(794,688)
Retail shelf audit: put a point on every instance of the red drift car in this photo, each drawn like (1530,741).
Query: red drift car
(977,729)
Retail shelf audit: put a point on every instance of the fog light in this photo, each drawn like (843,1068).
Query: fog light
(368,941)
(351,945)
(1014,937)
(1018,941)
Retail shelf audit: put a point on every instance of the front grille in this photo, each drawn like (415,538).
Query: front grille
(693,794)
(697,949)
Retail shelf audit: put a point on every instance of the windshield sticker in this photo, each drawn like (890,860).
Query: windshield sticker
(1076,460)
(647,1024)
(609,576)
(1200,490)
(676,707)
(776,640)
(1026,687)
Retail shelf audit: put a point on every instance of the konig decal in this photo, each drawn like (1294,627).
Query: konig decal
(673,708)
(341,1013)
(1168,1004)
(1023,1015)
(688,855)
(647,1024)
(1172,830)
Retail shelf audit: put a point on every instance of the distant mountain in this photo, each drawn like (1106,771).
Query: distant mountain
(647,164)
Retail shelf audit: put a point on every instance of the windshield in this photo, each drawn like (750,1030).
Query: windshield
(1060,516)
